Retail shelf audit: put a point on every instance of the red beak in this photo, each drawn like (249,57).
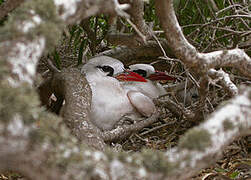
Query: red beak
(130,76)
(158,75)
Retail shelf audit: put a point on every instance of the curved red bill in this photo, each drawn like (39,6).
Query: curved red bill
(130,76)
(158,75)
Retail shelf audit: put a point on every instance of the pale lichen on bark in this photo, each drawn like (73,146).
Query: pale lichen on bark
(224,80)
(59,155)
(23,59)
(69,7)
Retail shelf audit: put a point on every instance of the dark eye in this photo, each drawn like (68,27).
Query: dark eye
(107,69)
(140,72)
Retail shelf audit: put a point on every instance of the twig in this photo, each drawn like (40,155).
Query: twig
(51,66)
(143,37)
(156,128)
(124,131)
(227,8)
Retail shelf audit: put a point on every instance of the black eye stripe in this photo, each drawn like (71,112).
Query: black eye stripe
(140,72)
(108,69)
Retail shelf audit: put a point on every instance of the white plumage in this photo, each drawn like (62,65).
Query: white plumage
(110,101)
(151,88)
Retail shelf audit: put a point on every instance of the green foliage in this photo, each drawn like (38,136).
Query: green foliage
(81,49)
(80,39)
(197,18)
(207,29)
(150,14)
(78,42)
(234,174)
(56,59)
(220,170)
(76,38)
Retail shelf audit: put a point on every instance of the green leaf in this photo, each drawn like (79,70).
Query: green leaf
(234,174)
(220,170)
(80,52)
(57,59)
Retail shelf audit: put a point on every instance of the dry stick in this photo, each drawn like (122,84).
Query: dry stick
(199,10)
(143,37)
(185,93)
(228,30)
(229,7)
(200,62)
(175,108)
(51,66)
(125,39)
(210,44)
(156,128)
(217,20)
(216,127)
(124,131)
(162,49)
(247,26)
(144,140)
(137,15)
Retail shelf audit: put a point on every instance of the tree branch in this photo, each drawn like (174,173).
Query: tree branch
(9,6)
(27,132)
(74,88)
(224,80)
(199,62)
(124,131)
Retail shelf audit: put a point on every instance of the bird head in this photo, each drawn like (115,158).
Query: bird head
(104,66)
(148,71)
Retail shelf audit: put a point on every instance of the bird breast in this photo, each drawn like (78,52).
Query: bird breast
(109,102)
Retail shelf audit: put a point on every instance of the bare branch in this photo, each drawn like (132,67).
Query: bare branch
(8,6)
(235,58)
(73,86)
(124,131)
(130,55)
(225,124)
(27,132)
(200,62)
(224,80)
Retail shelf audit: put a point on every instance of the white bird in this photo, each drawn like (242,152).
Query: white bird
(152,88)
(110,101)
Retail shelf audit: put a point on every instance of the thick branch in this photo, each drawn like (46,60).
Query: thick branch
(8,6)
(21,116)
(140,54)
(72,85)
(137,14)
(200,62)
(174,35)
(235,58)
(224,80)
(212,136)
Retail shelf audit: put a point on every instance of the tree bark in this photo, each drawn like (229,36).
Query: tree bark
(37,143)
